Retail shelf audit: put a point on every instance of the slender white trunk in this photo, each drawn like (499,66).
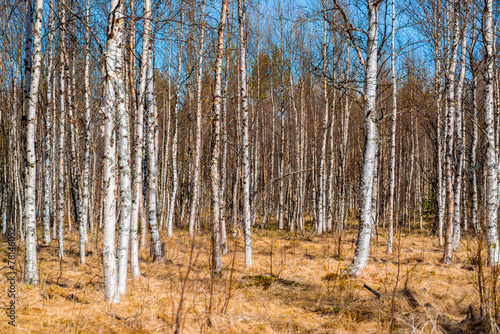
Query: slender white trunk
(322,167)
(223,181)
(155,245)
(31,100)
(245,144)
(216,124)
(473,162)
(86,154)
(491,179)
(175,139)
(113,100)
(450,122)
(459,130)
(393,134)
(371,143)
(47,205)
(125,193)
(197,160)
(61,145)
(139,147)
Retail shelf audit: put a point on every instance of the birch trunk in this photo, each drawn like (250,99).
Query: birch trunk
(322,167)
(473,162)
(450,122)
(155,245)
(47,205)
(86,154)
(393,134)
(75,189)
(113,98)
(139,146)
(491,179)
(61,144)
(175,177)
(460,139)
(199,145)
(439,96)
(343,152)
(222,190)
(31,100)
(244,108)
(371,142)
(125,194)
(215,174)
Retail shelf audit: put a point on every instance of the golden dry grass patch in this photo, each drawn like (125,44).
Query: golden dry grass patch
(296,285)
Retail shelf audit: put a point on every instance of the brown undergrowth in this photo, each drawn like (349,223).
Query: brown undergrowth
(296,285)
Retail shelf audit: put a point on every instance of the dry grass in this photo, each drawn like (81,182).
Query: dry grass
(306,294)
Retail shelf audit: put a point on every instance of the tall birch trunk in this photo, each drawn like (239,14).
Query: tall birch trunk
(175,177)
(343,152)
(47,205)
(113,100)
(222,190)
(199,145)
(393,134)
(439,96)
(31,100)
(215,174)
(139,146)
(450,122)
(322,167)
(371,142)
(125,191)
(491,179)
(459,130)
(244,108)
(155,243)
(86,154)
(61,144)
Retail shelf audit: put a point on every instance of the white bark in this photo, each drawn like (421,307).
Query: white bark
(393,134)
(139,146)
(215,174)
(450,122)
(125,194)
(175,139)
(112,96)
(155,245)
(47,205)
(322,167)
(86,154)
(460,139)
(223,167)
(61,145)
(31,100)
(199,145)
(491,179)
(371,143)
(245,143)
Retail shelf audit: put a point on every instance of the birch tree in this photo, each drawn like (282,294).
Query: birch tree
(371,143)
(113,100)
(34,38)
(216,139)
(139,140)
(245,124)
(155,246)
(491,161)
(392,186)
(197,159)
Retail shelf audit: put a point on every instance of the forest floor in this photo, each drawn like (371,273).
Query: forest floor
(295,285)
